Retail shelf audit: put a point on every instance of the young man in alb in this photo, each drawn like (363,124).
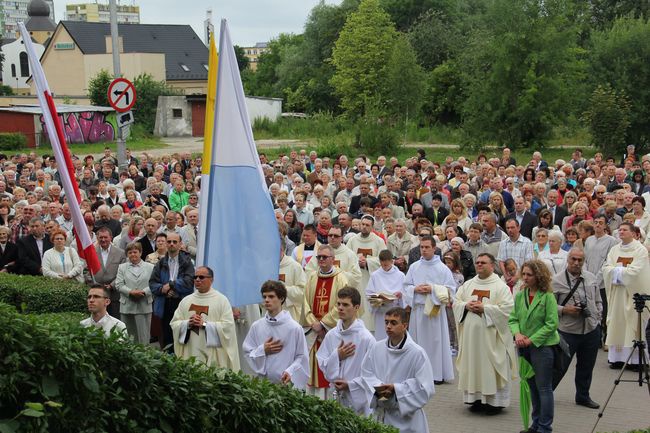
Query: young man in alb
(388,281)
(275,346)
(343,350)
(398,375)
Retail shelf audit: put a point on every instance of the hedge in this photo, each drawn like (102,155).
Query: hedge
(32,294)
(58,377)
(12,140)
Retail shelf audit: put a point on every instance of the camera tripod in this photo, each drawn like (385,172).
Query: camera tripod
(639,346)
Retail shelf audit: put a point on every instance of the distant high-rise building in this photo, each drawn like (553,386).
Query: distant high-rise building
(101,13)
(15,11)
(253,53)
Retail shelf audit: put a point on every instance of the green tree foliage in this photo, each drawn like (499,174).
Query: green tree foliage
(404,13)
(404,83)
(621,57)
(444,94)
(265,81)
(98,88)
(6,90)
(608,119)
(434,38)
(360,56)
(522,71)
(242,60)
(148,90)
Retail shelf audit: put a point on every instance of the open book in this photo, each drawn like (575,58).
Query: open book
(379,299)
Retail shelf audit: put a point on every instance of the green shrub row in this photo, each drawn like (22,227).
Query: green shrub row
(32,294)
(12,140)
(57,377)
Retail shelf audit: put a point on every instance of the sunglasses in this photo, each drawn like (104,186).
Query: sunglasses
(322,257)
(200,277)
(333,236)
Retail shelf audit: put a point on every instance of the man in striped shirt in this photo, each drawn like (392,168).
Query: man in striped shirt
(515,246)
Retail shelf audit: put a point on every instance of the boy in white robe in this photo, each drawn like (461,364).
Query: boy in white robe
(387,280)
(275,347)
(342,352)
(203,325)
(397,373)
(428,325)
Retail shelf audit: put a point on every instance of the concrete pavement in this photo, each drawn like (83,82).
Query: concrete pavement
(628,409)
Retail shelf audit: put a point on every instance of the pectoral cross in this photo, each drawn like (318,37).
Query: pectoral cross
(282,278)
(625,261)
(365,251)
(199,309)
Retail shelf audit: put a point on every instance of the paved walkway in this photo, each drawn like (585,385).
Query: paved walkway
(628,409)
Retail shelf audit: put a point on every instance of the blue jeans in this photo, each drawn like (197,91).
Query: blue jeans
(541,388)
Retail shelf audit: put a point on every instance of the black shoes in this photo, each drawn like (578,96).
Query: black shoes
(530,430)
(589,403)
(476,407)
(492,410)
(616,365)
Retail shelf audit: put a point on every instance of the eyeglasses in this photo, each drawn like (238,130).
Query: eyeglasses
(482,263)
(172,242)
(322,257)
(423,235)
(330,235)
(200,277)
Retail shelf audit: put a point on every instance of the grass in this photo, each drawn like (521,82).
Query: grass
(329,135)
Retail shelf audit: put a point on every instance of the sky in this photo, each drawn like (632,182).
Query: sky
(250,21)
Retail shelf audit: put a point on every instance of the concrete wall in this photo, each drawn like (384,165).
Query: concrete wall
(166,124)
(263,107)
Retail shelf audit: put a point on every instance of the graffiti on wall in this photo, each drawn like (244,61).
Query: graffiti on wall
(85,127)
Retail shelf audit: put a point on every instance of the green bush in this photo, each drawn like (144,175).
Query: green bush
(376,138)
(12,140)
(31,294)
(56,376)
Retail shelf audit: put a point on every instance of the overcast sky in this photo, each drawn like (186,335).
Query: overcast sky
(250,21)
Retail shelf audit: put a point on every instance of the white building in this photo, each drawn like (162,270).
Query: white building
(15,71)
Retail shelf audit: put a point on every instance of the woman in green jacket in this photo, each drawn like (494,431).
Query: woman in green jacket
(534,322)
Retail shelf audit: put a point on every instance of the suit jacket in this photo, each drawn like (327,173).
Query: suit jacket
(108,273)
(560,213)
(442,214)
(29,257)
(9,257)
(146,246)
(539,321)
(527,223)
(134,278)
(183,285)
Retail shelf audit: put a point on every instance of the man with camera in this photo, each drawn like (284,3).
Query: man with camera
(580,308)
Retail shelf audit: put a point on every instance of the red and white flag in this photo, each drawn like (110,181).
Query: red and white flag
(62,154)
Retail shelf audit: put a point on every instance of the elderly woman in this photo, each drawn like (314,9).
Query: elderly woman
(133,233)
(161,249)
(554,257)
(466,259)
(641,216)
(540,242)
(400,243)
(470,204)
(62,262)
(131,203)
(136,300)
(579,212)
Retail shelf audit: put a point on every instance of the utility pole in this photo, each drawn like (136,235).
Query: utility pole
(115,41)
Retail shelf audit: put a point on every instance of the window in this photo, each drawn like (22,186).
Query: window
(184,67)
(177,113)
(24,65)
(205,65)
(13,70)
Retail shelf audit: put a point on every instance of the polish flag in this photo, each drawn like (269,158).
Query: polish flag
(62,154)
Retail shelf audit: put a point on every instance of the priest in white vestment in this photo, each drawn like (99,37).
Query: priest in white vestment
(344,259)
(203,325)
(275,347)
(342,352)
(429,285)
(397,374)
(294,279)
(625,272)
(385,283)
(486,359)
(367,246)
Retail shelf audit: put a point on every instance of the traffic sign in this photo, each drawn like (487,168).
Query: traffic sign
(121,95)
(124,119)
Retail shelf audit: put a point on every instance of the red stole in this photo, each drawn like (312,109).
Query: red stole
(320,306)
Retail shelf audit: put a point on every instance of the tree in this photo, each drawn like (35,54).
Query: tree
(359,56)
(521,71)
(242,61)
(405,81)
(608,119)
(405,13)
(148,90)
(620,57)
(98,88)
(434,39)
(444,94)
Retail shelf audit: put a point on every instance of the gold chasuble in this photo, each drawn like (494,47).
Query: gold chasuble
(321,293)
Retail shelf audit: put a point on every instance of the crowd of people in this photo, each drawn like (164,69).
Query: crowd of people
(389,270)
